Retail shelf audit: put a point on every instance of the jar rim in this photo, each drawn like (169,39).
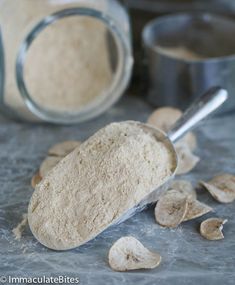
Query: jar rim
(91,110)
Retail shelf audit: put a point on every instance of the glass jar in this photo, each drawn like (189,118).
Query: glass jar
(63,61)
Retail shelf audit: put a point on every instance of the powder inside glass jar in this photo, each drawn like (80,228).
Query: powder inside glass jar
(67,67)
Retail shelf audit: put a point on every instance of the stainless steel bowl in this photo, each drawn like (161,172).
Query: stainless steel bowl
(178,81)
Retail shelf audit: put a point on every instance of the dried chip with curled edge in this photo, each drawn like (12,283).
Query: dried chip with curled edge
(171,209)
(63,148)
(185,187)
(221,187)
(48,163)
(35,179)
(196,209)
(164,118)
(186,159)
(127,253)
(211,228)
(188,140)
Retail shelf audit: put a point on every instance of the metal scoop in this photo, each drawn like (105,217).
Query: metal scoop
(200,109)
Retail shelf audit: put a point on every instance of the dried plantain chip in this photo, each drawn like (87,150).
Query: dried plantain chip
(188,140)
(35,179)
(221,187)
(63,148)
(127,253)
(196,209)
(48,163)
(164,118)
(211,229)
(186,159)
(184,187)
(171,209)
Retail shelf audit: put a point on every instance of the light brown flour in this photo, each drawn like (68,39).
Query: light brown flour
(18,230)
(180,52)
(96,184)
(67,66)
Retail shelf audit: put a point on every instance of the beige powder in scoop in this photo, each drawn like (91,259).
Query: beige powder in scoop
(96,184)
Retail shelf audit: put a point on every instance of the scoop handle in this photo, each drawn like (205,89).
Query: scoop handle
(200,109)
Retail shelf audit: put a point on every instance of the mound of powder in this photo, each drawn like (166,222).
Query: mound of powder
(96,184)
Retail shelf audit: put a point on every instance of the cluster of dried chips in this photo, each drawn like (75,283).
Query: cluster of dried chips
(164,118)
(127,253)
(55,154)
(179,204)
(222,189)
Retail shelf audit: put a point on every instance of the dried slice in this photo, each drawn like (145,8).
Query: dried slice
(35,179)
(196,209)
(186,159)
(64,148)
(48,163)
(221,187)
(184,187)
(189,140)
(164,118)
(171,209)
(211,229)
(127,253)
